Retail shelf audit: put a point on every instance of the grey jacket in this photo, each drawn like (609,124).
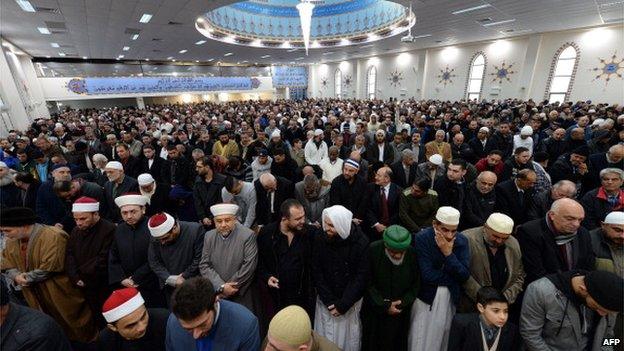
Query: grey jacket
(550,322)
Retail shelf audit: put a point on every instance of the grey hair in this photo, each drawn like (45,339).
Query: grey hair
(617,171)
(564,183)
(99,158)
(407,153)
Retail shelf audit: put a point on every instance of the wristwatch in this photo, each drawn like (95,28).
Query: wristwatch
(220,291)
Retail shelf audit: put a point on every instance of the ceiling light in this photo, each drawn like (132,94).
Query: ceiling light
(197,61)
(182,51)
(43,30)
(146,59)
(286,44)
(135,37)
(145,18)
(61,54)
(265,56)
(120,56)
(210,60)
(305,9)
(25,5)
(173,60)
(244,61)
(84,57)
(55,45)
(228,54)
(373,36)
(474,8)
(126,48)
(499,22)
(170,58)
(48,56)
(200,42)
(345,41)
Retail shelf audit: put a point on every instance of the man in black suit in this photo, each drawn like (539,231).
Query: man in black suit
(81,158)
(481,144)
(207,190)
(383,204)
(118,184)
(271,191)
(178,170)
(514,197)
(469,330)
(153,164)
(451,188)
(157,195)
(597,162)
(404,171)
(417,148)
(130,163)
(380,150)
(556,243)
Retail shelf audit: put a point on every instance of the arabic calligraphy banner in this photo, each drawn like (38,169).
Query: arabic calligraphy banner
(290,76)
(141,85)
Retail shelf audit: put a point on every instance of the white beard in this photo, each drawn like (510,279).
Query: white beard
(392,260)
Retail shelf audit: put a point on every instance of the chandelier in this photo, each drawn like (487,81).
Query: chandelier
(305,8)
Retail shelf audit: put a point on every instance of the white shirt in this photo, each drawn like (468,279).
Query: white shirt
(313,154)
(331,170)
(518,142)
(150,162)
(381,152)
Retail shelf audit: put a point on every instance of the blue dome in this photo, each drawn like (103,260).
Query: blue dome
(334,22)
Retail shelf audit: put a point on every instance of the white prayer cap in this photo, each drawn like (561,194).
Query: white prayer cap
(436,159)
(526,130)
(500,223)
(318,132)
(276,134)
(86,204)
(448,215)
(130,199)
(615,217)
(114,165)
(224,209)
(380,132)
(3,165)
(160,224)
(484,129)
(340,218)
(591,110)
(598,121)
(145,179)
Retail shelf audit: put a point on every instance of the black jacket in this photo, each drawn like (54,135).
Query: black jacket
(477,207)
(511,168)
(597,207)
(540,205)
(128,185)
(466,334)
(28,329)
(291,264)
(450,193)
(541,256)
(178,172)
(373,213)
(285,190)
(158,167)
(352,196)
(340,268)
(398,174)
(207,194)
(501,142)
(287,169)
(554,148)
(132,167)
(563,169)
(160,201)
(508,201)
(478,149)
(373,153)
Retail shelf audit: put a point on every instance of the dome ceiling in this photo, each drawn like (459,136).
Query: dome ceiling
(276,23)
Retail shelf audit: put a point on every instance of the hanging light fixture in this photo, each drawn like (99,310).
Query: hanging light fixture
(305,8)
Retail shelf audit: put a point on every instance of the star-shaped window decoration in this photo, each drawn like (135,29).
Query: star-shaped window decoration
(502,73)
(609,69)
(395,78)
(446,76)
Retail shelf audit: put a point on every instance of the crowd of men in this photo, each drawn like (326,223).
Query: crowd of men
(315,225)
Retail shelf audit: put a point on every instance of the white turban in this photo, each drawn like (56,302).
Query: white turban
(340,218)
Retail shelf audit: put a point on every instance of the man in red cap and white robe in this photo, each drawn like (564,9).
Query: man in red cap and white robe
(230,256)
(176,250)
(130,325)
(127,261)
(86,259)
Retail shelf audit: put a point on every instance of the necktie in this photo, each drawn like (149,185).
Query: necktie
(407,174)
(521,198)
(385,213)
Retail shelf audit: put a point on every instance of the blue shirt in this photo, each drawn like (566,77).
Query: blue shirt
(235,329)
(436,270)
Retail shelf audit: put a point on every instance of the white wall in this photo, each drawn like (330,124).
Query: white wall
(530,56)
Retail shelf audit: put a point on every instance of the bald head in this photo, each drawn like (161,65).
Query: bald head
(616,153)
(307,170)
(486,181)
(355,155)
(566,215)
(268,181)
(563,189)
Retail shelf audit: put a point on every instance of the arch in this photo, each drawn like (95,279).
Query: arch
(562,72)
(371,82)
(338,83)
(476,75)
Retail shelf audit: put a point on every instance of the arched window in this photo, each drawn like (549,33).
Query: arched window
(562,72)
(338,83)
(475,77)
(371,82)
